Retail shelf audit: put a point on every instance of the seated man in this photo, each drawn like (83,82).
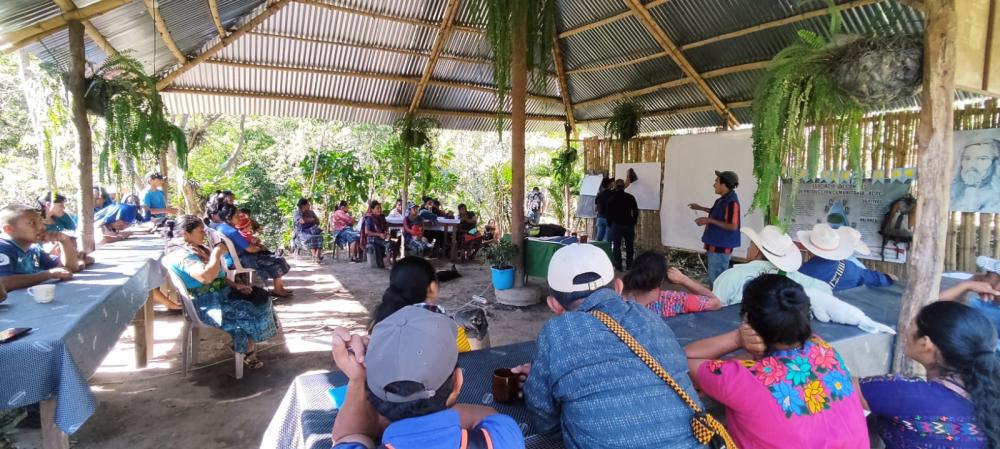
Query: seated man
(981,291)
(586,383)
(23,263)
(154,200)
(772,251)
(831,250)
(408,374)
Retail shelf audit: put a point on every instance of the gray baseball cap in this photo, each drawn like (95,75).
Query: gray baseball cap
(413,344)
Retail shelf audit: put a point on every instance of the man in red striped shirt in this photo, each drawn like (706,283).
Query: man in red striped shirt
(722,225)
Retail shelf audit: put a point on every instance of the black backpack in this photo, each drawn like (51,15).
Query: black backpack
(899,222)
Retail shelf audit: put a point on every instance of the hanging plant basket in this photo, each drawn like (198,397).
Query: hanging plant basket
(877,71)
(415,132)
(625,122)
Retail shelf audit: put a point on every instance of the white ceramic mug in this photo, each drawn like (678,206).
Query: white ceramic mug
(43,294)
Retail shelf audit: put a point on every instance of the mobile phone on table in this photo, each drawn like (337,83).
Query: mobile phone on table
(13,333)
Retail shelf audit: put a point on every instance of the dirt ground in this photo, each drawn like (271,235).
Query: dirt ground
(157,407)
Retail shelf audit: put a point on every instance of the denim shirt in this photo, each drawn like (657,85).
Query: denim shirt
(587,384)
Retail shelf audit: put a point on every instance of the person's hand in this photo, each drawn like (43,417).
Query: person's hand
(694,206)
(892,277)
(244,289)
(750,341)
(701,221)
(674,275)
(219,251)
(349,353)
(522,372)
(55,237)
(985,291)
(172,210)
(61,274)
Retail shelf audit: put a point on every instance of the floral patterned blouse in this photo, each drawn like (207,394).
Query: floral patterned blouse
(801,398)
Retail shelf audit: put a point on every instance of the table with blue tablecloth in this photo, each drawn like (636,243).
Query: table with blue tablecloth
(304,419)
(71,335)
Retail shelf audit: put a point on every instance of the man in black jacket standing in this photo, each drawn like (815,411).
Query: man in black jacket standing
(622,213)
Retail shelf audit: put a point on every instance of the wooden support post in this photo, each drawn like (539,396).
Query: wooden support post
(934,164)
(52,437)
(78,112)
(143,325)
(967,242)
(985,220)
(996,236)
(518,122)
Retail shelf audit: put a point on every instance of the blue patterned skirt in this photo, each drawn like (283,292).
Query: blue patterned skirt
(241,319)
(269,266)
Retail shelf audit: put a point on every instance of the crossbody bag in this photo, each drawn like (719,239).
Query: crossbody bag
(704,427)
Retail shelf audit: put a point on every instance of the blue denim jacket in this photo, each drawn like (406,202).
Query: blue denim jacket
(585,382)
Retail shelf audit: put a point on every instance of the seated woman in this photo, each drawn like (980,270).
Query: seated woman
(101,198)
(958,406)
(413,282)
(341,224)
(490,233)
(642,285)
(54,216)
(413,234)
(269,265)
(308,232)
(244,312)
(798,393)
(375,234)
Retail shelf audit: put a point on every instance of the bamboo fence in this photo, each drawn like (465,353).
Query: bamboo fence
(888,141)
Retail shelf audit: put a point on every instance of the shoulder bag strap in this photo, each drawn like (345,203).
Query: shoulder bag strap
(841,266)
(477,439)
(705,428)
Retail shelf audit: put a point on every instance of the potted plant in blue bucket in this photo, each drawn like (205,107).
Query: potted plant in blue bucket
(500,256)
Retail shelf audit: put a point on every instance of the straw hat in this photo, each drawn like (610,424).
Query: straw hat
(829,243)
(777,247)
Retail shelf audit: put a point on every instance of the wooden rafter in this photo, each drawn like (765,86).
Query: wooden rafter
(225,42)
(16,39)
(399,51)
(355,104)
(161,26)
(675,53)
(673,83)
(442,36)
(679,111)
(387,17)
(369,75)
(612,19)
(567,102)
(89,28)
(213,6)
(710,40)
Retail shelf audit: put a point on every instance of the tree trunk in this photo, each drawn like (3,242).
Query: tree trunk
(175,163)
(228,165)
(934,164)
(78,111)
(406,192)
(518,93)
(35,105)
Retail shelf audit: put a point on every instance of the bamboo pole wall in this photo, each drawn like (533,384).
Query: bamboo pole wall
(888,141)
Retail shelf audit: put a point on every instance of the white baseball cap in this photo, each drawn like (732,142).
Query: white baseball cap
(570,262)
(777,247)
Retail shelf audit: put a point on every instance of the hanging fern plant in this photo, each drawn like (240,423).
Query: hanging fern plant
(134,115)
(415,132)
(819,81)
(501,18)
(624,122)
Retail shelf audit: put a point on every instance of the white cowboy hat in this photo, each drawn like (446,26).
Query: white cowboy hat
(828,243)
(777,247)
(988,264)
(859,247)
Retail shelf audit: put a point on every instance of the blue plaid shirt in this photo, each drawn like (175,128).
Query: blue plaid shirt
(586,381)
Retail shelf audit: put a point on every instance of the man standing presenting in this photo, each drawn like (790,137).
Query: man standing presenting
(536,206)
(722,225)
(623,213)
(153,198)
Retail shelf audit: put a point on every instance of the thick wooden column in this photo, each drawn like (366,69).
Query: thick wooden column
(78,111)
(518,91)
(925,260)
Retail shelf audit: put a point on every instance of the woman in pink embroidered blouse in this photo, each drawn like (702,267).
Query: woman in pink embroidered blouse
(797,393)
(642,285)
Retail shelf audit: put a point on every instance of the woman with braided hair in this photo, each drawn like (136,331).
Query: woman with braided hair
(958,405)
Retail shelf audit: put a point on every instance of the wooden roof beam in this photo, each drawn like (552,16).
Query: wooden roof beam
(450,11)
(673,83)
(390,18)
(354,104)
(675,53)
(557,60)
(89,28)
(16,39)
(612,19)
(680,111)
(371,75)
(213,6)
(153,8)
(399,51)
(211,51)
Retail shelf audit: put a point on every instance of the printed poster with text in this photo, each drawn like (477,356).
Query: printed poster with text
(841,203)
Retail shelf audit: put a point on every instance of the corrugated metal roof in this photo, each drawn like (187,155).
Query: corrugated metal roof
(283,67)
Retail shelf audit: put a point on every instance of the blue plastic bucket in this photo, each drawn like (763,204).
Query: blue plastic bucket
(503,279)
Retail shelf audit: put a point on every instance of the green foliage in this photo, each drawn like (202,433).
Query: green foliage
(498,186)
(271,203)
(537,19)
(135,120)
(415,132)
(563,177)
(339,176)
(626,117)
(500,255)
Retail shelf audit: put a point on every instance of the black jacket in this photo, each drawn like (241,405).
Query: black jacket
(601,202)
(622,209)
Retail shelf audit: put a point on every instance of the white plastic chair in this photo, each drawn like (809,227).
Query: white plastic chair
(192,326)
(214,237)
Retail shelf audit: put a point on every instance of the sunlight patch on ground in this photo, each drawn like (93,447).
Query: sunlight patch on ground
(166,336)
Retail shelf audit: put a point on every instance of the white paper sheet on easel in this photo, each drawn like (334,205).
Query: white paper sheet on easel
(591,184)
(646,189)
(688,174)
